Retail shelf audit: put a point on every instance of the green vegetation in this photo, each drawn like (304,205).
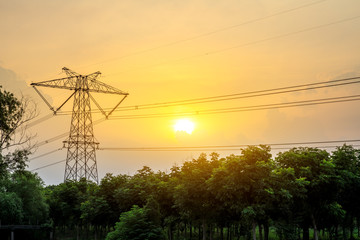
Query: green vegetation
(22,199)
(139,224)
(302,193)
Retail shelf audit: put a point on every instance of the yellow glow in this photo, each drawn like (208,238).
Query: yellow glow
(184,125)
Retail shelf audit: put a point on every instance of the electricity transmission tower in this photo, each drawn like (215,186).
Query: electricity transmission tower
(81,144)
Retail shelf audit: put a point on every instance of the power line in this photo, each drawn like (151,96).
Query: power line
(51,139)
(51,164)
(312,102)
(217,148)
(189,148)
(212,32)
(247,44)
(220,111)
(40,120)
(214,149)
(302,87)
(246,108)
(45,154)
(242,95)
(63,135)
(324,147)
(234,109)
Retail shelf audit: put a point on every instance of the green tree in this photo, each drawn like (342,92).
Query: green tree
(347,161)
(29,188)
(191,194)
(241,185)
(107,202)
(285,189)
(315,166)
(13,162)
(138,224)
(11,208)
(136,189)
(65,201)
(22,200)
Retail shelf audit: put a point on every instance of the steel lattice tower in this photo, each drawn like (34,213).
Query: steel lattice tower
(81,144)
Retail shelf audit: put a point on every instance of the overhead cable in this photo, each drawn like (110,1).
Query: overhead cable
(242,95)
(48,165)
(40,120)
(220,148)
(212,32)
(174,148)
(45,154)
(246,44)
(42,143)
(312,102)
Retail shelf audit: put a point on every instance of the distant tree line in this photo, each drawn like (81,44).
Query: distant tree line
(303,193)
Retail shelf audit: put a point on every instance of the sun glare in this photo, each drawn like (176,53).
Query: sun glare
(184,125)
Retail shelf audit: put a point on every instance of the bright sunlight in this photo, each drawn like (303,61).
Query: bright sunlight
(184,125)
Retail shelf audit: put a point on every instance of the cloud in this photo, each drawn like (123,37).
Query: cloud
(11,82)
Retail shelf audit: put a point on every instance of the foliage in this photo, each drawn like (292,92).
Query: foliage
(22,198)
(11,114)
(138,224)
(240,195)
(66,199)
(11,208)
(15,113)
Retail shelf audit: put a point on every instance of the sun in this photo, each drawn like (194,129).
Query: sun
(184,125)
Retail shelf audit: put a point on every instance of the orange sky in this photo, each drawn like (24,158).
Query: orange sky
(162,51)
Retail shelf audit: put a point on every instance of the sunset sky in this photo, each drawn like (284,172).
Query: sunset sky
(165,51)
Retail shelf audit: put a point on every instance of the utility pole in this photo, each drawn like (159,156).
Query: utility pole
(81,145)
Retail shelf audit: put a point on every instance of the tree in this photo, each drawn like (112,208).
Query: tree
(11,208)
(29,188)
(347,162)
(65,201)
(240,183)
(105,200)
(285,189)
(13,162)
(14,115)
(315,166)
(22,200)
(139,224)
(191,194)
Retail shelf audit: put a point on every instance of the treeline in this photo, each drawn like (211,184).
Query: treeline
(302,193)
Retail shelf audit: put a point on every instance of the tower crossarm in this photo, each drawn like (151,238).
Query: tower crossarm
(100,87)
(69,72)
(70,83)
(63,83)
